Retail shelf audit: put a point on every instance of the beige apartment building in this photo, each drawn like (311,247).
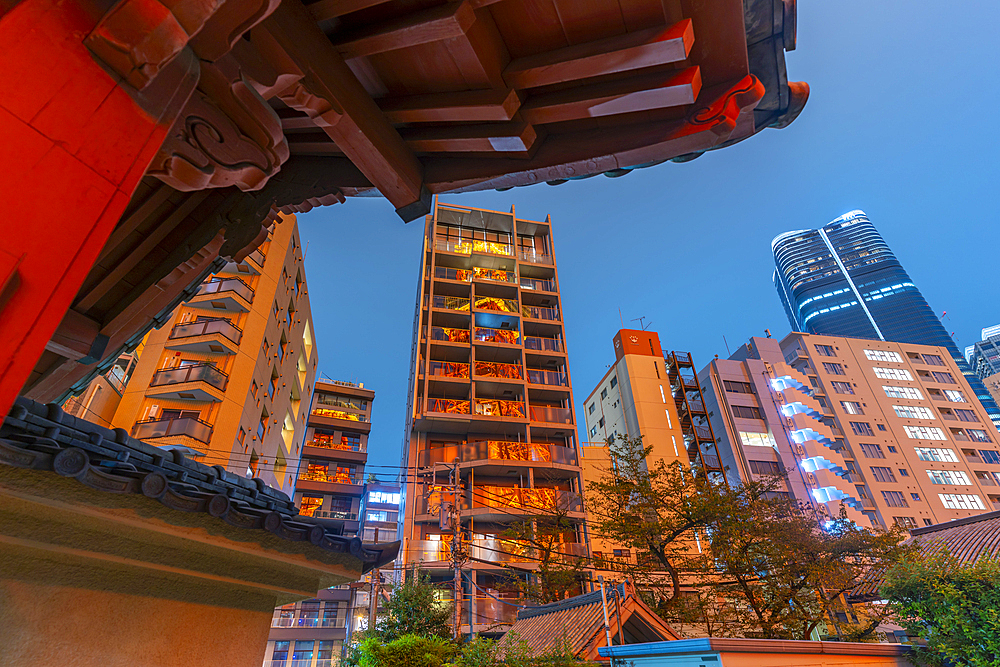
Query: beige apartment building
(652,394)
(891,430)
(228,380)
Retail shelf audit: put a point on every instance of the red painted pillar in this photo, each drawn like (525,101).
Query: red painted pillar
(74,143)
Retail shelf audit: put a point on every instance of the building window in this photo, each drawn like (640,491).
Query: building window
(913,412)
(915,497)
(735,387)
(872,451)
(932,359)
(242,438)
(604,393)
(350,441)
(842,388)
(747,412)
(756,439)
(883,355)
(943,378)
(303,653)
(966,415)
(924,433)
(894,499)
(905,521)
(936,454)
(309,504)
(884,475)
(593,432)
(614,382)
(954,396)
(892,374)
(903,472)
(591,408)
(977,435)
(254,388)
(826,350)
(833,369)
(892,450)
(861,428)
(252,465)
(764,468)
(383,498)
(903,392)
(961,501)
(601,422)
(881,427)
(953,477)
(852,407)
(262,426)
(280,653)
(928,522)
(990,456)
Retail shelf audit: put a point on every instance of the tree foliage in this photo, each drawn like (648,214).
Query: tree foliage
(544,541)
(406,651)
(955,607)
(414,609)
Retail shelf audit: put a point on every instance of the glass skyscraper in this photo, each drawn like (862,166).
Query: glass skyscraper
(843,280)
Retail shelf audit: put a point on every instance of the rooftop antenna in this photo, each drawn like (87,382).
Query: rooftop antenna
(727,345)
(621,318)
(639,320)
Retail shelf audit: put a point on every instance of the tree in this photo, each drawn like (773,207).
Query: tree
(955,607)
(406,651)
(414,609)
(543,540)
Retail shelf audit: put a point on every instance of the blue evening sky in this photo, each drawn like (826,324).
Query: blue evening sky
(900,123)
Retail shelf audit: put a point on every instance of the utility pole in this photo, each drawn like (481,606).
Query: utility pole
(457,549)
(373,602)
(604,605)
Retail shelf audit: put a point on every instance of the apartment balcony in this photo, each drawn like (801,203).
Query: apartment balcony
(499,450)
(428,551)
(487,335)
(207,336)
(257,257)
(190,427)
(197,382)
(497,550)
(229,294)
(491,407)
(699,433)
(519,500)
(342,419)
(327,448)
(502,371)
(456,303)
(490,613)
(543,344)
(497,305)
(448,273)
(449,335)
(540,313)
(534,257)
(467,247)
(448,369)
(450,406)
(543,376)
(550,415)
(494,275)
(538,284)
(330,482)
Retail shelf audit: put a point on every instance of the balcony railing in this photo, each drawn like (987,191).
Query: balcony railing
(490,612)
(321,475)
(538,284)
(497,304)
(450,302)
(450,335)
(448,273)
(448,369)
(533,500)
(161,428)
(335,514)
(428,550)
(542,376)
(498,550)
(552,415)
(486,335)
(205,327)
(467,247)
(499,450)
(492,407)
(290,622)
(535,257)
(218,285)
(540,313)
(193,373)
(258,258)
(326,442)
(543,344)
(448,406)
(495,275)
(338,414)
(494,370)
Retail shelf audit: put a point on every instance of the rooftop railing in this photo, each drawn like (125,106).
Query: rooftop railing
(497,304)
(492,407)
(448,406)
(543,376)
(535,257)
(161,428)
(204,327)
(540,313)
(542,344)
(495,370)
(450,335)
(448,369)
(538,284)
(450,302)
(487,335)
(193,373)
(218,285)
(551,415)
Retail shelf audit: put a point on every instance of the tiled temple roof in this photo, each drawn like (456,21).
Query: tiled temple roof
(43,437)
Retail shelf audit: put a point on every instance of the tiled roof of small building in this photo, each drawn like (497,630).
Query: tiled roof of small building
(43,437)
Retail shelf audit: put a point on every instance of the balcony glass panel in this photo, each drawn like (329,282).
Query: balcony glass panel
(552,415)
(321,473)
(448,406)
(540,313)
(450,302)
(193,373)
(450,335)
(448,369)
(499,450)
(538,284)
(494,370)
(338,414)
(535,257)
(487,335)
(498,408)
(467,247)
(497,305)
(543,344)
(542,376)
(528,499)
(217,285)
(336,514)
(161,428)
(205,327)
(449,273)
(343,443)
(257,257)
(490,612)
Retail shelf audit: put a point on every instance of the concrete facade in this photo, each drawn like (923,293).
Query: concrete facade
(892,430)
(229,378)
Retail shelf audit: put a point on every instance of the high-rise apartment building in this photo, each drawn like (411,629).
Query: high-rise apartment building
(490,400)
(843,280)
(652,394)
(331,477)
(891,430)
(229,378)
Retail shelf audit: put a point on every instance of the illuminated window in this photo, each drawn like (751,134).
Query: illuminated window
(852,407)
(756,439)
(924,433)
(883,355)
(936,454)
(309,504)
(913,412)
(892,374)
(961,501)
(903,392)
(953,477)
(954,395)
